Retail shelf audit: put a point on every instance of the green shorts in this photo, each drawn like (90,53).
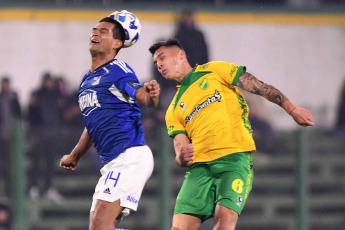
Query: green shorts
(226,181)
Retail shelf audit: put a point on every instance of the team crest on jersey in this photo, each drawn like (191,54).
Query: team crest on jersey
(203,67)
(96,80)
(203,84)
(88,101)
(170,128)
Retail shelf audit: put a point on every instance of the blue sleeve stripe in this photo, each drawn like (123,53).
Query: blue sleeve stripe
(131,88)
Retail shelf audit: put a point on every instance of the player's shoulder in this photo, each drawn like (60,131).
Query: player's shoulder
(169,114)
(119,66)
(212,65)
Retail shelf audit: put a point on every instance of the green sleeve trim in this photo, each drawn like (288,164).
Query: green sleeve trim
(238,74)
(172,134)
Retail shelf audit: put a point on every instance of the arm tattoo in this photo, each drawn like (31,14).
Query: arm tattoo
(253,85)
(177,144)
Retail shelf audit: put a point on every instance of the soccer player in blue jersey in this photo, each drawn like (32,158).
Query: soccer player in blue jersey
(108,98)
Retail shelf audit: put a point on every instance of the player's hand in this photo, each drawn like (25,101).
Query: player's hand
(68,162)
(186,155)
(153,88)
(302,117)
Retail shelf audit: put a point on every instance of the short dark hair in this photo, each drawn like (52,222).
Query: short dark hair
(5,79)
(167,43)
(118,31)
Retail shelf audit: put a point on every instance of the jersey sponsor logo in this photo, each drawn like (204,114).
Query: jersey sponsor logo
(107,191)
(208,101)
(203,84)
(88,101)
(132,199)
(239,201)
(170,128)
(183,105)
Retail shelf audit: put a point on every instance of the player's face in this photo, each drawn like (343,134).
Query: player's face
(101,39)
(167,61)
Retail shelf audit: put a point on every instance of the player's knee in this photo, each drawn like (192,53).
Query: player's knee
(224,224)
(225,219)
(97,222)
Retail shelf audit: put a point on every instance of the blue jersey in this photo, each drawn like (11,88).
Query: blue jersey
(110,110)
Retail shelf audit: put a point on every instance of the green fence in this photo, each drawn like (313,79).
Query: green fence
(298,187)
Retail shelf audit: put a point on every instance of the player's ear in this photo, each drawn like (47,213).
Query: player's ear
(117,44)
(181,54)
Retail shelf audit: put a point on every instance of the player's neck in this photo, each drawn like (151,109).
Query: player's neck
(185,70)
(100,59)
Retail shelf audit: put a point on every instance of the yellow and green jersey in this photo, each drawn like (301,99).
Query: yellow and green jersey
(211,112)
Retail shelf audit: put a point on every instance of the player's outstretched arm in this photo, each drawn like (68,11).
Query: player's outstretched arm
(71,160)
(184,150)
(253,85)
(149,94)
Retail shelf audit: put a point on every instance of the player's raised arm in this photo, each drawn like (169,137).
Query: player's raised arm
(71,160)
(149,94)
(253,85)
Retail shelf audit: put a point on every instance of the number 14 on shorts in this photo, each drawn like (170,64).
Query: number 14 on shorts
(113,176)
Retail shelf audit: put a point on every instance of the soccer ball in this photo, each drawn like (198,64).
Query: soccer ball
(130,24)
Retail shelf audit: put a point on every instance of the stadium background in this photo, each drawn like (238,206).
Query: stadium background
(296,45)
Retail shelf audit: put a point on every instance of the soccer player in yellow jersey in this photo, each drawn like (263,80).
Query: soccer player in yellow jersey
(208,119)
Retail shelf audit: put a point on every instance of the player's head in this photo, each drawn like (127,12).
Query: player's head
(170,58)
(107,33)
(186,18)
(168,43)
(5,84)
(118,31)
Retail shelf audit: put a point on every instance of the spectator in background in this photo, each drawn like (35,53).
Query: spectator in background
(6,219)
(340,123)
(9,110)
(45,120)
(191,38)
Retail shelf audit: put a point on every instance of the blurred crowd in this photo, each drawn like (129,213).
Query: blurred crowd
(52,124)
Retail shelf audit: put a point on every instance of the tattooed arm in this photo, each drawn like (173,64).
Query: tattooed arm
(253,85)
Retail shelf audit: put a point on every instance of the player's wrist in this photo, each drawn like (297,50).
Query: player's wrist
(292,110)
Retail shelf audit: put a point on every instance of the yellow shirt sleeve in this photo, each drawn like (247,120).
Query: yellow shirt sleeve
(229,72)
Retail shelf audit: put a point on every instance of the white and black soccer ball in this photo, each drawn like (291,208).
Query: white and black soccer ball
(130,24)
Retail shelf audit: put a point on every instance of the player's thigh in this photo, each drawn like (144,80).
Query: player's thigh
(183,221)
(105,214)
(197,193)
(234,183)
